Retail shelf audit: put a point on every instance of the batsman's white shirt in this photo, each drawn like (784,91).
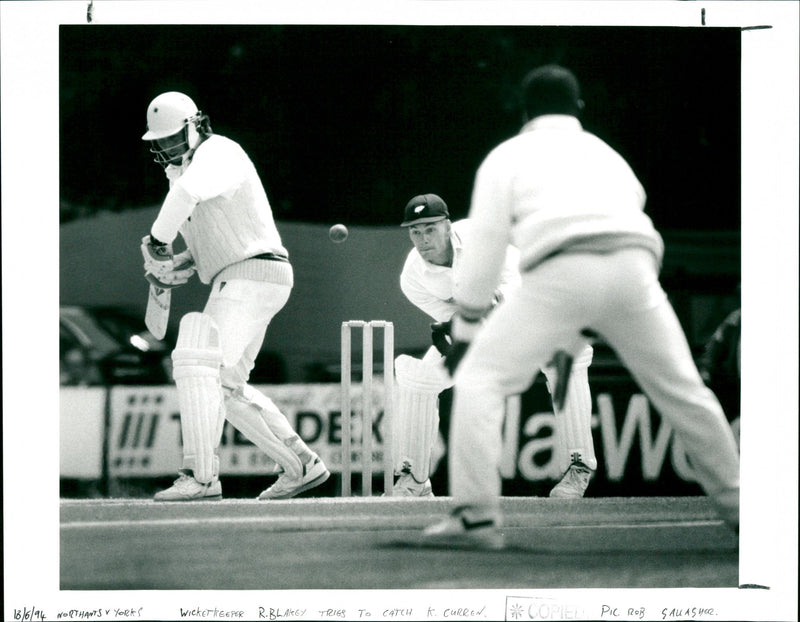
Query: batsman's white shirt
(430,287)
(218,204)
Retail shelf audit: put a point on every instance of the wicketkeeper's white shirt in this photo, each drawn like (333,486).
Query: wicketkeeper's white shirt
(430,287)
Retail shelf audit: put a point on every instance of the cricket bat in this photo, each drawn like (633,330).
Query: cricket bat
(156,316)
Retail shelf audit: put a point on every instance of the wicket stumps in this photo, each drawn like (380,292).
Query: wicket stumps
(367,406)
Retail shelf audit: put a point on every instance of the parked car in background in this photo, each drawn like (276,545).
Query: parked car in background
(110,345)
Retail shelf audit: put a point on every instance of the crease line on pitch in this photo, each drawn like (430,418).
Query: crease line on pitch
(294,523)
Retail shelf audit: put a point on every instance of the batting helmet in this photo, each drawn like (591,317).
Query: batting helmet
(175,127)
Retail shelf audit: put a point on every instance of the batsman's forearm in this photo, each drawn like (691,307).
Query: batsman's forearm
(178,206)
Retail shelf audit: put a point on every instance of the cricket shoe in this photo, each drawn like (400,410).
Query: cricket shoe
(466,528)
(286,487)
(187,488)
(407,486)
(574,483)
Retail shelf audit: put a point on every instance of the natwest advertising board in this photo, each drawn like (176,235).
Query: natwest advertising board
(637,451)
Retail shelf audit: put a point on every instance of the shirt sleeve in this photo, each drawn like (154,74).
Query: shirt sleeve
(178,206)
(413,289)
(215,170)
(485,258)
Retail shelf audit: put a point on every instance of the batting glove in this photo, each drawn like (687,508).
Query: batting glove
(161,268)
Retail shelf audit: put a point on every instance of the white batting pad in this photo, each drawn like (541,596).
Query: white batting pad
(435,359)
(573,424)
(422,375)
(196,362)
(257,417)
(416,425)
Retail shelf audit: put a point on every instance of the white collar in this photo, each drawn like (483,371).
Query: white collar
(553,121)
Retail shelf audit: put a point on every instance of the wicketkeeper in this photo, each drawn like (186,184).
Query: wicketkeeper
(427,280)
(216,202)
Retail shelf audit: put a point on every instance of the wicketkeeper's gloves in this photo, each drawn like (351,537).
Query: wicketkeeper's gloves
(440,336)
(463,330)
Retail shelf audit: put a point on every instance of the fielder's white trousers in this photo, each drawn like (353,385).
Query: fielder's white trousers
(618,296)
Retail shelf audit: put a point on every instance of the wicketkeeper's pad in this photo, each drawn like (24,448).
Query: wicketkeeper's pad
(416,424)
(573,417)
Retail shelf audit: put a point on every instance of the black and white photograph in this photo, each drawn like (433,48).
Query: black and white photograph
(400,310)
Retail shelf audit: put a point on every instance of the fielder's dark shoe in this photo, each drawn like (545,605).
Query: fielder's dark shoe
(466,528)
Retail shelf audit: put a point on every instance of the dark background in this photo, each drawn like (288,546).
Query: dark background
(346,123)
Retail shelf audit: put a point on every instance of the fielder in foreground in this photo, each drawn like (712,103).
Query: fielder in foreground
(590,259)
(218,205)
(427,280)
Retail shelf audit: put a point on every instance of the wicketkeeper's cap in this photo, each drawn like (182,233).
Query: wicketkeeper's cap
(424,208)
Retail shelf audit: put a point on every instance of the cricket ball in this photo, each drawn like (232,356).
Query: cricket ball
(338,233)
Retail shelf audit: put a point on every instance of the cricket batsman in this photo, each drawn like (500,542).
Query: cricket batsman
(217,203)
(428,281)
